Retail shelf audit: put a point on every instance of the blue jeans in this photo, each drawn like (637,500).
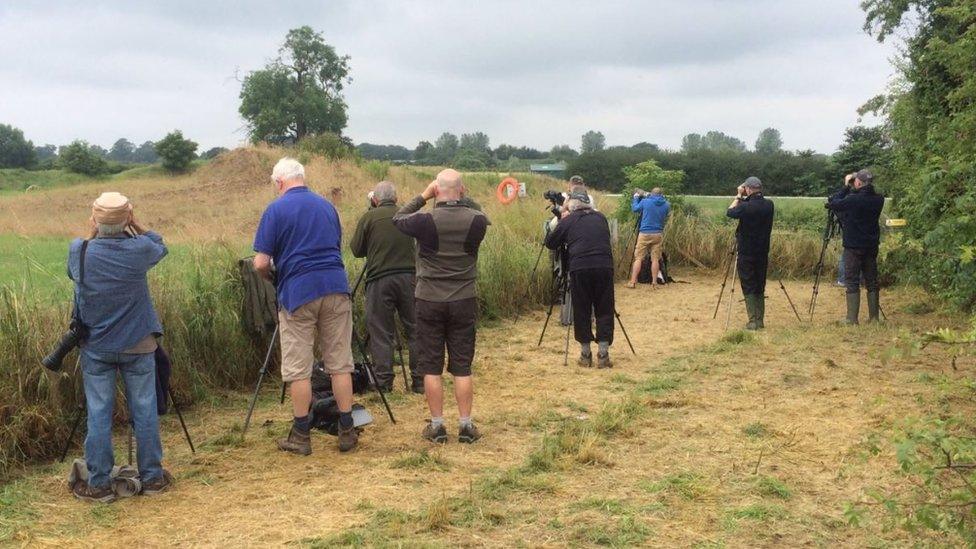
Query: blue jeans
(139,375)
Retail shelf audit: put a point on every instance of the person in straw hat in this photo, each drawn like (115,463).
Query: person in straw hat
(112,301)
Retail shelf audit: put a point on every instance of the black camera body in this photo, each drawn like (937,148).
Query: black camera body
(557,199)
(77,333)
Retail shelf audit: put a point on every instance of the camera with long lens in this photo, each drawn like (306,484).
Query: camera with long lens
(556,198)
(69,341)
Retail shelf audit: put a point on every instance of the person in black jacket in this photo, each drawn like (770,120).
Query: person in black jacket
(861,207)
(586,235)
(755,215)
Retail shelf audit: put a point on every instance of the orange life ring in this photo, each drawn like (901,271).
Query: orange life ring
(500,191)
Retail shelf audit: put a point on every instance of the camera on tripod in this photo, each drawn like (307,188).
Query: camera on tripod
(77,332)
(557,199)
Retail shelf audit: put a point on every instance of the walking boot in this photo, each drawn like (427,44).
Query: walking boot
(760,312)
(348,438)
(297,442)
(751,309)
(874,307)
(853,306)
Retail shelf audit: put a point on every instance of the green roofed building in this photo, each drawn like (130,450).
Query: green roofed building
(557,170)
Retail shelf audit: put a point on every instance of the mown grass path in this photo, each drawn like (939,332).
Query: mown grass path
(706,438)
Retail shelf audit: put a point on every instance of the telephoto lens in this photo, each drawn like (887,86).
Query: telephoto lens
(71,339)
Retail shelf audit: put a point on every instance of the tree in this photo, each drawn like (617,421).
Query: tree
(99,150)
(769,141)
(78,157)
(646,176)
(691,142)
(15,150)
(470,160)
(370,151)
(299,93)
(121,151)
(445,148)
(562,153)
(327,145)
(477,141)
(46,152)
(213,152)
(146,153)
(176,152)
(592,142)
(424,152)
(863,147)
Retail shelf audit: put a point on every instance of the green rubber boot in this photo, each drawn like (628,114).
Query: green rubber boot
(752,308)
(874,307)
(853,306)
(760,312)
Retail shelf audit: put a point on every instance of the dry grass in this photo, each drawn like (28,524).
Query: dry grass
(664,451)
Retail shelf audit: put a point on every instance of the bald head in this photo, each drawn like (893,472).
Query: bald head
(449,186)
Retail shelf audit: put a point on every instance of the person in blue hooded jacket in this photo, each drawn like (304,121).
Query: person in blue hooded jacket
(653,210)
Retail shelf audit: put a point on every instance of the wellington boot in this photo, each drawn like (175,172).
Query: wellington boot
(760,312)
(874,307)
(853,306)
(752,308)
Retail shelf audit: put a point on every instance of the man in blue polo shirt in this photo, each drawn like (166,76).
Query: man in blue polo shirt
(300,232)
(653,209)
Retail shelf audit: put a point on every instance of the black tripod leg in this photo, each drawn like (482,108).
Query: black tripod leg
(257,388)
(545,325)
(74,429)
(179,415)
(728,315)
(566,357)
(369,368)
(725,279)
(783,287)
(284,387)
(624,330)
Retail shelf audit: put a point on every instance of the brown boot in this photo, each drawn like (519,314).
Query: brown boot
(348,439)
(296,443)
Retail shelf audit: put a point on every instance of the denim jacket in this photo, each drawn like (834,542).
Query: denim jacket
(113,301)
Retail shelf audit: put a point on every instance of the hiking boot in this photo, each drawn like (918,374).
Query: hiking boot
(603,361)
(435,434)
(417,386)
(84,492)
(158,485)
(760,312)
(585,361)
(752,308)
(348,438)
(296,443)
(468,433)
(874,307)
(853,305)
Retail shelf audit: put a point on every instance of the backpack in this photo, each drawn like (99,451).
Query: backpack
(644,277)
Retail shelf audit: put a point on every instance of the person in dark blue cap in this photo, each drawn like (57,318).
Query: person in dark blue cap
(755,215)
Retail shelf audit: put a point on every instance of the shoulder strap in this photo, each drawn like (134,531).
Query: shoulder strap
(81,262)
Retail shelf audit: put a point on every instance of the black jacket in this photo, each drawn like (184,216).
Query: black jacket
(755,214)
(860,211)
(586,235)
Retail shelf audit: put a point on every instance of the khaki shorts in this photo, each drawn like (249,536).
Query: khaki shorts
(326,321)
(652,241)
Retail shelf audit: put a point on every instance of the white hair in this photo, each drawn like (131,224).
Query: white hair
(385,191)
(111,230)
(574,204)
(286,169)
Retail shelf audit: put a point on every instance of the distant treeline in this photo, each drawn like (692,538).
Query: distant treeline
(714,163)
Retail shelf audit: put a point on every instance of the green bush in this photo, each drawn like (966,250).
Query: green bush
(79,158)
(176,152)
(327,145)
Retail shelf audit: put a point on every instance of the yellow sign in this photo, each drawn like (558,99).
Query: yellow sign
(895,223)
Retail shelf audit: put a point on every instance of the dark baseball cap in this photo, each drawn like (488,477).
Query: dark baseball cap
(753,183)
(865,176)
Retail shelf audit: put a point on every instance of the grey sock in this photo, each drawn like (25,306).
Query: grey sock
(436,422)
(585,349)
(604,347)
(464,422)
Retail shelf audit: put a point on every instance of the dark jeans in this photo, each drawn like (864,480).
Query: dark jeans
(752,273)
(384,297)
(861,263)
(592,291)
(450,324)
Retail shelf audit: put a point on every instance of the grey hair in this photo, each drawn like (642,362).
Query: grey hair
(286,169)
(105,229)
(574,204)
(384,191)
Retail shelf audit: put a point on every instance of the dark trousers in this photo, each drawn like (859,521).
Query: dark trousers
(450,324)
(752,273)
(592,291)
(384,297)
(860,263)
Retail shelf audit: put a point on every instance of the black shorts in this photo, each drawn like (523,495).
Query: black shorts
(451,325)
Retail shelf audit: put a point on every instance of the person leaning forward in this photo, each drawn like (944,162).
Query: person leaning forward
(112,301)
(301,233)
(448,238)
(860,207)
(755,214)
(653,209)
(390,284)
(586,235)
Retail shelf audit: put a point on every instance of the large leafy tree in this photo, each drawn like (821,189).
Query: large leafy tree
(592,141)
(299,93)
(121,151)
(176,151)
(145,153)
(15,150)
(78,157)
(770,141)
(445,148)
(863,147)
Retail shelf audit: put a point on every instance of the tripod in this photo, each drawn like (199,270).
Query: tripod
(81,413)
(729,269)
(629,246)
(830,229)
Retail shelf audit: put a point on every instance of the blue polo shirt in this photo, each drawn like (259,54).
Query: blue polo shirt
(653,210)
(301,232)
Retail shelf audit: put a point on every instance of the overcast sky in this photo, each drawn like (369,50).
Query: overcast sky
(537,73)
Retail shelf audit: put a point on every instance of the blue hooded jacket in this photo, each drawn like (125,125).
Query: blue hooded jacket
(654,210)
